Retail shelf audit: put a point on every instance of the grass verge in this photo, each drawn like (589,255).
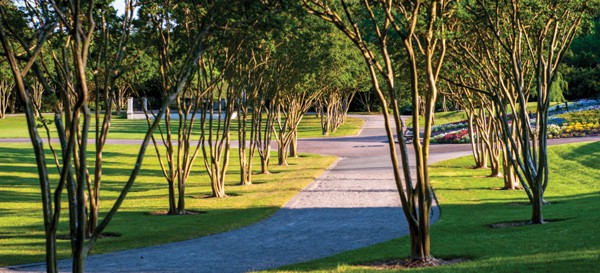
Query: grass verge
(460,115)
(568,243)
(21,228)
(122,128)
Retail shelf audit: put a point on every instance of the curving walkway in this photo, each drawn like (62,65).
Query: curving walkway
(352,204)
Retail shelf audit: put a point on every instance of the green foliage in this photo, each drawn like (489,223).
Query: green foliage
(558,88)
(582,63)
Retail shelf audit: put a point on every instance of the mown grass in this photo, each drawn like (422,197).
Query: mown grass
(569,242)
(21,228)
(460,115)
(122,128)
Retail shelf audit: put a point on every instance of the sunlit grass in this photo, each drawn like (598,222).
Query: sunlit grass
(456,116)
(21,228)
(122,128)
(569,242)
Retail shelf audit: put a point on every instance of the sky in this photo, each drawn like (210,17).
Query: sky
(119,5)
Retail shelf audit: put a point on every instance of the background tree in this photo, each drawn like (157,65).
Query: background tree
(581,67)
(6,89)
(341,78)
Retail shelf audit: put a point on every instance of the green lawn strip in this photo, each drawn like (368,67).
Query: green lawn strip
(121,128)
(21,229)
(455,116)
(470,204)
(443,118)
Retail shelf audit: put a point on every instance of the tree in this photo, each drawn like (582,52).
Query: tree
(174,27)
(5,94)
(341,77)
(484,128)
(419,28)
(248,77)
(107,69)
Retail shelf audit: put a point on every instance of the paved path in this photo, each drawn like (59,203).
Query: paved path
(351,205)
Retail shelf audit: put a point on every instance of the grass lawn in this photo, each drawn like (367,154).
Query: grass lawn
(122,128)
(570,242)
(454,116)
(21,229)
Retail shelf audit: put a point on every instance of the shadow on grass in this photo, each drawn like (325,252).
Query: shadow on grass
(591,161)
(463,232)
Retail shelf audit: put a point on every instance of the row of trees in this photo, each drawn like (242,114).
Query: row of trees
(490,56)
(265,59)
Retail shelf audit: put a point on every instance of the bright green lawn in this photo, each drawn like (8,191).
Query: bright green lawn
(469,205)
(454,116)
(21,229)
(121,128)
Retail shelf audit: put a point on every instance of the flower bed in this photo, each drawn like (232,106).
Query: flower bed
(576,123)
(460,136)
(585,116)
(582,119)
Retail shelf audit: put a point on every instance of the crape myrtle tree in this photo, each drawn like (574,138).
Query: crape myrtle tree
(171,28)
(108,54)
(525,41)
(220,103)
(484,131)
(342,77)
(291,101)
(72,25)
(264,115)
(296,64)
(174,26)
(6,88)
(248,77)
(418,28)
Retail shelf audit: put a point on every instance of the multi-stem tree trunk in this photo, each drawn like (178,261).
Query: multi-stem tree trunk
(264,126)
(245,159)
(5,97)
(291,107)
(333,109)
(120,98)
(36,91)
(215,137)
(247,76)
(428,37)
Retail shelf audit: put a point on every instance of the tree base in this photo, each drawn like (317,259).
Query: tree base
(412,263)
(167,213)
(519,223)
(505,188)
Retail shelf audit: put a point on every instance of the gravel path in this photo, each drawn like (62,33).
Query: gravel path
(351,205)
